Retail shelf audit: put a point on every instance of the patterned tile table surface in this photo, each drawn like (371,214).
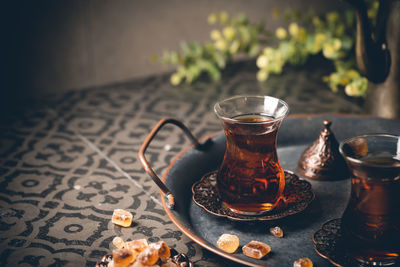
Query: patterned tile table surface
(68,160)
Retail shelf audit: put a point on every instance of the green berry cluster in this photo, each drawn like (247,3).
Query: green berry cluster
(232,36)
(331,35)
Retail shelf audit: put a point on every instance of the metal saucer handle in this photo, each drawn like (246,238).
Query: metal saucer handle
(195,142)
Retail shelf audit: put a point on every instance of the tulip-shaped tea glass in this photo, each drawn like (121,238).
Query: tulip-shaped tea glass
(250,179)
(371,221)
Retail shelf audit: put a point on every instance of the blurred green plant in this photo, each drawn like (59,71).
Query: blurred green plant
(331,35)
(235,35)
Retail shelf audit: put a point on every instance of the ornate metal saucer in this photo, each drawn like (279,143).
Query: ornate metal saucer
(297,196)
(327,244)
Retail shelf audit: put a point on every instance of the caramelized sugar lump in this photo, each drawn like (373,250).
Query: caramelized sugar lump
(148,257)
(303,262)
(136,246)
(162,249)
(122,217)
(140,253)
(118,242)
(169,263)
(228,243)
(122,257)
(276,231)
(256,249)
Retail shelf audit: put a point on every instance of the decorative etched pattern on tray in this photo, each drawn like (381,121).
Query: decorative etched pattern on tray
(327,244)
(297,196)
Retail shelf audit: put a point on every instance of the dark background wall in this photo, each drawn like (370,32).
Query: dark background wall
(53,46)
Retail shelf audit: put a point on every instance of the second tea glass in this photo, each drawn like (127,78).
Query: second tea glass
(371,221)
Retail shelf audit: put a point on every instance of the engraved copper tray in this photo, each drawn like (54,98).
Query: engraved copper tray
(296,198)
(205,156)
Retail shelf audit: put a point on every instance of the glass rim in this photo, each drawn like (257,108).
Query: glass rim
(275,119)
(360,161)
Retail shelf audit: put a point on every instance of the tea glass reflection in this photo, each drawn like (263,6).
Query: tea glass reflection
(250,179)
(371,221)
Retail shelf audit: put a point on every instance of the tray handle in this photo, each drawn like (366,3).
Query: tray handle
(200,146)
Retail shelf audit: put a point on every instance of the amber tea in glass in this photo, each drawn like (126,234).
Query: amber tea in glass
(250,179)
(371,221)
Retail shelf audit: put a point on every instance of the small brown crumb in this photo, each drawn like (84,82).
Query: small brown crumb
(276,231)
(303,262)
